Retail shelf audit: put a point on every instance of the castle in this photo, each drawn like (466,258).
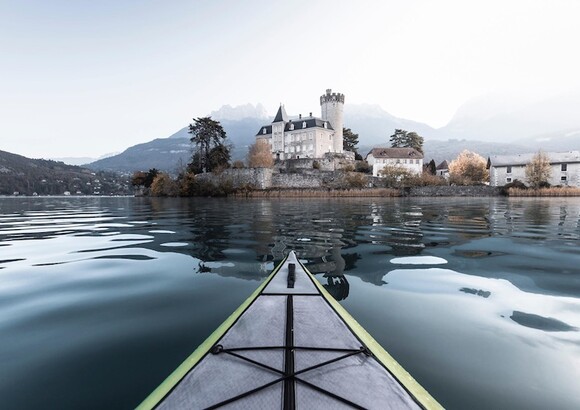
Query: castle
(307,137)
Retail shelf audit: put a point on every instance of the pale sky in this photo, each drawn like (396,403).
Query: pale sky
(85,77)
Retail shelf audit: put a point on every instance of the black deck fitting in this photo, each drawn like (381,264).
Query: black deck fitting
(291,274)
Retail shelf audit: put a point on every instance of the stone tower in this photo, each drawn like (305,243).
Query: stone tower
(331,106)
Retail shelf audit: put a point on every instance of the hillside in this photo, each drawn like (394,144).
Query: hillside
(45,177)
(172,153)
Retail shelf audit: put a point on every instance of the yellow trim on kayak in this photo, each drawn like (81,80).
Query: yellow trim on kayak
(402,376)
(174,378)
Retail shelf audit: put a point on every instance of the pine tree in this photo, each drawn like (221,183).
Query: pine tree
(432,168)
(405,139)
(211,149)
(349,140)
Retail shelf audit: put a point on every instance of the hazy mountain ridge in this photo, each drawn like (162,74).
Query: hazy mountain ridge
(173,153)
(240,112)
(498,118)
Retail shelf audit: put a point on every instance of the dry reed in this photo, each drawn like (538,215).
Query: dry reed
(566,191)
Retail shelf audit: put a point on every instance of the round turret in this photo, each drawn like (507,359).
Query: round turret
(331,106)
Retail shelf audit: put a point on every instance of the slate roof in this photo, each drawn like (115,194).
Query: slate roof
(443,165)
(524,159)
(395,153)
(309,122)
(268,130)
(281,115)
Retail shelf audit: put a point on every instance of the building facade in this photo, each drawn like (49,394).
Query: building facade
(307,137)
(407,158)
(504,169)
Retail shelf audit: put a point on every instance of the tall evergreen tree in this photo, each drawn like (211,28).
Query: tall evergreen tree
(350,140)
(405,139)
(431,167)
(398,139)
(211,149)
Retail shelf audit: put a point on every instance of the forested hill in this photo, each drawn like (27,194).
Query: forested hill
(46,177)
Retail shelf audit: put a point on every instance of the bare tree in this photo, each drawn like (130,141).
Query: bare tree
(468,168)
(260,155)
(539,171)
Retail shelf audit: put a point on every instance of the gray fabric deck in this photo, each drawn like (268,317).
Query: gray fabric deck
(359,378)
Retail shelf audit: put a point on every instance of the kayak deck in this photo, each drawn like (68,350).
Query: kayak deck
(290,345)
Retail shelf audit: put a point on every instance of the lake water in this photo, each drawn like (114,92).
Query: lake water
(101,298)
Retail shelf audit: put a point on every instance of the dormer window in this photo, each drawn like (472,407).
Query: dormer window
(264,130)
(291,126)
(325,124)
(303,124)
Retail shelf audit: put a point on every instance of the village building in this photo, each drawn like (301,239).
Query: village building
(442,170)
(504,169)
(407,158)
(308,136)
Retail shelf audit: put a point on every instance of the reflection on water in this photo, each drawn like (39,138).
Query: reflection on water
(547,324)
(478,292)
(477,298)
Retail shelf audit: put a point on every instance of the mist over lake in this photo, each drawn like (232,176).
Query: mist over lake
(102,298)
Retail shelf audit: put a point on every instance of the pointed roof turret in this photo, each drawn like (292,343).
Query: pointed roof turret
(281,115)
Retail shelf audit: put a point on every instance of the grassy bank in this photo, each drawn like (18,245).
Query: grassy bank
(319,193)
(544,192)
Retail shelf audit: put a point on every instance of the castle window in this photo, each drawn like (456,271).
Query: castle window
(508,180)
(563,178)
(303,124)
(564,168)
(509,169)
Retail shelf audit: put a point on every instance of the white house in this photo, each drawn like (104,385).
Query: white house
(307,137)
(504,169)
(407,158)
(442,170)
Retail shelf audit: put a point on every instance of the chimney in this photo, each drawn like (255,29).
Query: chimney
(299,116)
(311,113)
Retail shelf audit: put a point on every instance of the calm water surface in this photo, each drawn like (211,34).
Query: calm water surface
(101,298)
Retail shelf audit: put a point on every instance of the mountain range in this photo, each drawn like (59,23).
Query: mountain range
(488,126)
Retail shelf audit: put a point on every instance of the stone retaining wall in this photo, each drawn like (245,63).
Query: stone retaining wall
(266,178)
(479,190)
(258,178)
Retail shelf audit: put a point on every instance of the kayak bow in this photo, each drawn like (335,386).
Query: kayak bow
(290,345)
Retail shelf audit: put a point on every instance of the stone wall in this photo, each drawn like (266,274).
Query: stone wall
(330,162)
(296,180)
(266,178)
(258,178)
(480,190)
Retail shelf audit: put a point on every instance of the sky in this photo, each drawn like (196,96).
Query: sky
(87,78)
